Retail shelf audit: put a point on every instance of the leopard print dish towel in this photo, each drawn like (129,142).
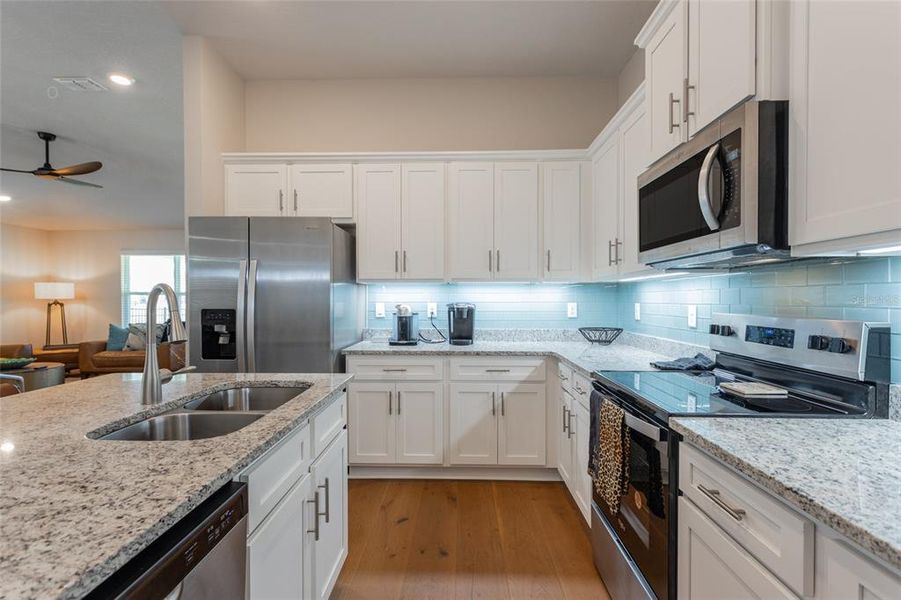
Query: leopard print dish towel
(611,455)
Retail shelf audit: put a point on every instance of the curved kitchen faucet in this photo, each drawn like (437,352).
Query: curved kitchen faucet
(152,382)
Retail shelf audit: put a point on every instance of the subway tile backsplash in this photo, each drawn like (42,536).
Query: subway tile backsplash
(868,289)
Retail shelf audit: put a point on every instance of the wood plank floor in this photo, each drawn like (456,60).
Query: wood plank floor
(432,539)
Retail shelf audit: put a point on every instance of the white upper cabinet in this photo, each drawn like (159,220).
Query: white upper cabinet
(470,213)
(516,221)
(561,210)
(845,126)
(721,51)
(634,151)
(605,208)
(422,221)
(379,234)
(666,62)
(256,190)
(322,190)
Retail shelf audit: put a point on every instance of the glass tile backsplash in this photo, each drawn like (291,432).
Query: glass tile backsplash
(867,289)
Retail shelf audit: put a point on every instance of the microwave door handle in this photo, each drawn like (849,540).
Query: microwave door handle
(704,201)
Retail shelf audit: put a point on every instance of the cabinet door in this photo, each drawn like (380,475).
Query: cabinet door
(516,221)
(581,482)
(275,551)
(330,550)
(422,221)
(522,432)
(721,58)
(473,423)
(371,423)
(843,573)
(255,190)
(322,190)
(378,230)
(712,566)
(665,70)
(605,208)
(634,151)
(420,423)
(844,120)
(470,213)
(564,440)
(562,220)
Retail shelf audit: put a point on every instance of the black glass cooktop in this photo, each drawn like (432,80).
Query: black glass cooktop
(697,393)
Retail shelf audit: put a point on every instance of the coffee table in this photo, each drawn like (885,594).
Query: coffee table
(62,353)
(39,375)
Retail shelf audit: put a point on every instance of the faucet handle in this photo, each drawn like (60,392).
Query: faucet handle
(166,375)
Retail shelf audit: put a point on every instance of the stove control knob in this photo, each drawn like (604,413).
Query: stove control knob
(839,346)
(726,330)
(714,329)
(818,342)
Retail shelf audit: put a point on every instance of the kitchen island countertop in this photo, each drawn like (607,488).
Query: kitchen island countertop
(74,509)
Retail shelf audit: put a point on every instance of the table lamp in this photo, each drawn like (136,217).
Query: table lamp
(55,291)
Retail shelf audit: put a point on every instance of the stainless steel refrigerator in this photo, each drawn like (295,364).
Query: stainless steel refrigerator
(271,295)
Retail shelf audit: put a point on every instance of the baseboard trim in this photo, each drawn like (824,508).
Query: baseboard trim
(478,473)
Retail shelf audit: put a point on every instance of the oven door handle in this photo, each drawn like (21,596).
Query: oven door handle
(708,210)
(644,428)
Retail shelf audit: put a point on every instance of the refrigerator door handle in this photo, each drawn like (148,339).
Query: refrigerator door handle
(251,316)
(242,295)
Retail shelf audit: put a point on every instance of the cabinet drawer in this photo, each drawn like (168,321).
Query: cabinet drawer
(497,369)
(407,368)
(271,476)
(778,537)
(328,423)
(565,374)
(581,388)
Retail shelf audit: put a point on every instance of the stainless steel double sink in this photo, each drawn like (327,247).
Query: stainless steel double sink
(210,416)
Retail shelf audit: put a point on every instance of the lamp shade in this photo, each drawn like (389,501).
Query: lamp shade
(54,290)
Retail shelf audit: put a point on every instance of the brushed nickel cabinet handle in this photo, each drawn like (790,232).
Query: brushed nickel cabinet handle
(394,370)
(316,515)
(672,101)
(281,201)
(685,111)
(490,254)
(390,398)
(569,425)
(609,253)
(398,403)
(405,261)
(497,263)
(503,408)
(395,261)
(328,502)
(295,201)
(497,370)
(617,243)
(548,260)
(714,495)
(493,409)
(564,419)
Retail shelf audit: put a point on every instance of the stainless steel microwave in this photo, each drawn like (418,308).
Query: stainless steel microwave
(721,199)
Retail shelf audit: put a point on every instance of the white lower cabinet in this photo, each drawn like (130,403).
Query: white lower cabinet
(573,449)
(564,440)
(712,566)
(398,423)
(329,527)
(473,423)
(521,426)
(843,572)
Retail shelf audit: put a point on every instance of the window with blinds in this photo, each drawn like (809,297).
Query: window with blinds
(140,272)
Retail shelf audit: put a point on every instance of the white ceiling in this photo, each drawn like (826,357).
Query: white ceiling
(375,39)
(136,133)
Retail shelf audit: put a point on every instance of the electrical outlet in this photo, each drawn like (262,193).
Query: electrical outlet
(379,310)
(691,402)
(638,311)
(572,310)
(432,310)
(693,316)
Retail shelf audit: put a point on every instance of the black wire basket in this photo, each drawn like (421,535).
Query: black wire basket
(600,335)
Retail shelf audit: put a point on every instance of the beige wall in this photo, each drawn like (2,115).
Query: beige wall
(214,123)
(24,259)
(90,259)
(631,76)
(426,114)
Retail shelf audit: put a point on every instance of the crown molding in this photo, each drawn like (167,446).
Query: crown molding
(661,12)
(621,116)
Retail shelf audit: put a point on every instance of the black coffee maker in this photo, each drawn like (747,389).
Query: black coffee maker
(461,321)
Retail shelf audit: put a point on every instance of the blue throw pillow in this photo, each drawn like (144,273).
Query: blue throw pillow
(116,339)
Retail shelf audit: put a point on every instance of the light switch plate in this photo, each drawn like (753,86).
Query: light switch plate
(572,310)
(432,310)
(693,316)
(379,310)
(638,311)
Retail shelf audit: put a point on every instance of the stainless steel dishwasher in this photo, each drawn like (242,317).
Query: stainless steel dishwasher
(202,556)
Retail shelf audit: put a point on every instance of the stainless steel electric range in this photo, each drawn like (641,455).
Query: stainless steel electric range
(829,369)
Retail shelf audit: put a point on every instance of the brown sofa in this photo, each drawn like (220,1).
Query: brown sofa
(95,359)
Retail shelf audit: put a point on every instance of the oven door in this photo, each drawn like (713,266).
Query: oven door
(642,521)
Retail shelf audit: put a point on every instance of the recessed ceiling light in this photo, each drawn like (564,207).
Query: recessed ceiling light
(120,79)
(5,198)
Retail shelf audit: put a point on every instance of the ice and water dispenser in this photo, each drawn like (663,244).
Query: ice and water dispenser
(218,333)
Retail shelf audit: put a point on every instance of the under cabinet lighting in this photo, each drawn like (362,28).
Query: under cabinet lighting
(654,276)
(5,198)
(885,250)
(121,79)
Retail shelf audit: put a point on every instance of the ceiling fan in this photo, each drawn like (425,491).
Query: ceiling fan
(46,171)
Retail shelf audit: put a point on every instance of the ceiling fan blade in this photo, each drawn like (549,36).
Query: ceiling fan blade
(80,169)
(78,182)
(16,170)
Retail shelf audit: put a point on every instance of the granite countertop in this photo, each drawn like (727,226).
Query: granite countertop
(74,509)
(581,355)
(845,473)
